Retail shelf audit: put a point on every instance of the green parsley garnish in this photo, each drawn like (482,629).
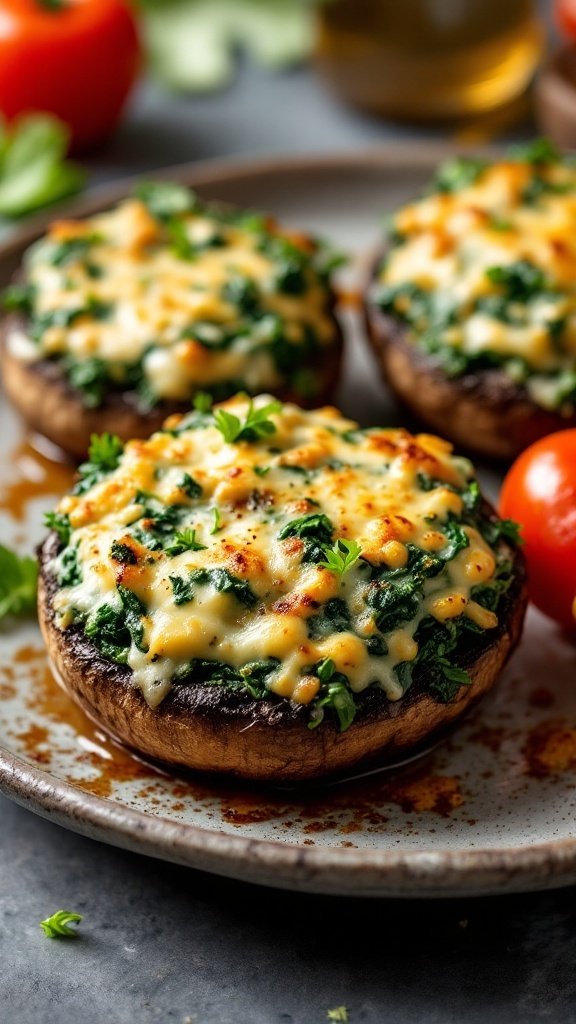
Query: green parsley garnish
(458,173)
(104,456)
(217,520)
(202,401)
(184,540)
(57,926)
(256,425)
(342,556)
(166,199)
(18,579)
(539,151)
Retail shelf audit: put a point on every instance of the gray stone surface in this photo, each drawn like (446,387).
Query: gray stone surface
(162,944)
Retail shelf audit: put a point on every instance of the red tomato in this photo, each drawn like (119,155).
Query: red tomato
(77,59)
(566,16)
(539,492)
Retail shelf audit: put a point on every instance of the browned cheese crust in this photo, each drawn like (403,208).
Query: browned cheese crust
(51,407)
(485,412)
(212,729)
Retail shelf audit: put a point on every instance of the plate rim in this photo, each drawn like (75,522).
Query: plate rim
(323,869)
(330,869)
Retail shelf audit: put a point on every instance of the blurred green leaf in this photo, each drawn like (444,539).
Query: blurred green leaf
(33,168)
(192,44)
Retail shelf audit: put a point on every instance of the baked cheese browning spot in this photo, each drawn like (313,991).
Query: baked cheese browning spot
(168,303)
(326,576)
(483,272)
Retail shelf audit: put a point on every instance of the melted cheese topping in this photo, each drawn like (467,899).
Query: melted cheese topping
(122,288)
(246,496)
(448,245)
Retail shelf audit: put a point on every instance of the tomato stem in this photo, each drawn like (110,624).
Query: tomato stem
(52,5)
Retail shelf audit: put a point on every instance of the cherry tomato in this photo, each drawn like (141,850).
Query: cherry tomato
(539,492)
(77,59)
(566,16)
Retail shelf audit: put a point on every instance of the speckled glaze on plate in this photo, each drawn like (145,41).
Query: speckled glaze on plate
(489,811)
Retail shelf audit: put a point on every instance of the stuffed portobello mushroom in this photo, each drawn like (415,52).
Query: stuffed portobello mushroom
(278,594)
(118,320)
(472,310)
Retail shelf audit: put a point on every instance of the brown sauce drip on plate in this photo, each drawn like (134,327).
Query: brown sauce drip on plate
(348,807)
(35,475)
(550,749)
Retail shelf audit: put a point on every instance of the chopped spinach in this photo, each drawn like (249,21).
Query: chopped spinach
(134,612)
(190,486)
(242,293)
(19,298)
(182,589)
(60,523)
(335,694)
(106,627)
(70,573)
(123,553)
(90,377)
(315,529)
(333,617)
(520,281)
(221,579)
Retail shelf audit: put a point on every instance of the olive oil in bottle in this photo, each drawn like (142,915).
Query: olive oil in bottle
(426,59)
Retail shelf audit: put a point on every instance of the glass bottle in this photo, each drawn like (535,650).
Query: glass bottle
(426,59)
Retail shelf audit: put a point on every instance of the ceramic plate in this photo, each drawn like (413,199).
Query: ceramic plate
(491,810)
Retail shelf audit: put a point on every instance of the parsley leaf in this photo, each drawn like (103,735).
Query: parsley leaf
(539,151)
(57,926)
(184,540)
(18,579)
(256,425)
(202,401)
(458,173)
(217,525)
(104,456)
(166,199)
(342,556)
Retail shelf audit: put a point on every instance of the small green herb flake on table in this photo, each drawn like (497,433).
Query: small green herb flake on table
(57,926)
(18,582)
(339,1013)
